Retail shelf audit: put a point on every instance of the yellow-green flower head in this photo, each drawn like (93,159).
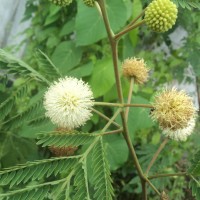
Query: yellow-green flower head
(61,2)
(89,3)
(135,68)
(68,102)
(174,111)
(161,15)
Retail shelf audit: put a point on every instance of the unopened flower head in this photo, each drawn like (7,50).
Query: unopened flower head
(161,15)
(68,102)
(181,134)
(173,110)
(136,68)
(89,3)
(61,2)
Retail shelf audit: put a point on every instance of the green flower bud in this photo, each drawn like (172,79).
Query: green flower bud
(161,15)
(61,2)
(89,3)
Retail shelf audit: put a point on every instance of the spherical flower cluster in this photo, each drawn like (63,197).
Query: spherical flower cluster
(175,113)
(136,68)
(89,3)
(68,102)
(161,15)
(181,134)
(61,2)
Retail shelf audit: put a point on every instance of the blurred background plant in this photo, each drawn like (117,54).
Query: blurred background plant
(75,40)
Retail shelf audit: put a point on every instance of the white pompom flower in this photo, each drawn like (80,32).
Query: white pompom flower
(181,134)
(68,102)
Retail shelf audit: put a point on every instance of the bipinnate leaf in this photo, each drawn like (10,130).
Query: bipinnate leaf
(7,105)
(16,66)
(27,115)
(195,187)
(37,170)
(195,166)
(53,178)
(47,67)
(81,183)
(65,138)
(101,173)
(188,4)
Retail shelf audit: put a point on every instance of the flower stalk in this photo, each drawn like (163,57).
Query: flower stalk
(113,44)
(162,145)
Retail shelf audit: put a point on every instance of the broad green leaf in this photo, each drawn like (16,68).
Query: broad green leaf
(111,95)
(139,117)
(116,150)
(66,56)
(102,78)
(67,28)
(89,24)
(81,71)
(137,9)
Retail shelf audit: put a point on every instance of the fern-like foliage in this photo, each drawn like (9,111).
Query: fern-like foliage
(101,173)
(38,121)
(65,138)
(7,105)
(16,66)
(63,177)
(37,170)
(195,166)
(47,68)
(25,116)
(195,187)
(81,184)
(188,4)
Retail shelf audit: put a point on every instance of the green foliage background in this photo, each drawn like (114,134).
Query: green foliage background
(74,39)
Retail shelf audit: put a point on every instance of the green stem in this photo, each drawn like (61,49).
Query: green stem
(112,132)
(162,145)
(144,189)
(167,175)
(111,120)
(122,105)
(113,45)
(136,19)
(129,97)
(152,186)
(120,34)
(105,117)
